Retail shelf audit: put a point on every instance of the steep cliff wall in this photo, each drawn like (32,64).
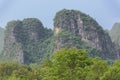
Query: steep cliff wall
(1,39)
(12,48)
(85,28)
(26,41)
(115,36)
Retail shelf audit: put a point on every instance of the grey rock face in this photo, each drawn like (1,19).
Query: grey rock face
(12,48)
(84,27)
(22,39)
(115,36)
(1,39)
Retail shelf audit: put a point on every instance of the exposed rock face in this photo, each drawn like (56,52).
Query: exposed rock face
(115,36)
(25,41)
(28,41)
(12,48)
(115,31)
(84,27)
(1,38)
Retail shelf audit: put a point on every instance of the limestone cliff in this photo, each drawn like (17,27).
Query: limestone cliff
(115,31)
(115,36)
(28,41)
(12,48)
(1,38)
(86,29)
(25,41)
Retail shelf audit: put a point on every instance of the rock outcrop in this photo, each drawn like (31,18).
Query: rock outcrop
(1,38)
(25,41)
(84,27)
(12,48)
(115,32)
(115,36)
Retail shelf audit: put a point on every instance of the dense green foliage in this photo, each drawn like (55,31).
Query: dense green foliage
(88,34)
(30,41)
(65,64)
(68,64)
(64,17)
(37,43)
(31,38)
(36,40)
(73,64)
(71,40)
(88,22)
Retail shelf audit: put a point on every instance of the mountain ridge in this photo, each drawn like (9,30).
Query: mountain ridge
(28,41)
(115,36)
(86,28)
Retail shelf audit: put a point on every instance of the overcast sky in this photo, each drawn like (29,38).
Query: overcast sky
(106,12)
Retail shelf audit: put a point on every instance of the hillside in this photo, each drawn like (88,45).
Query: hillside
(28,41)
(74,28)
(115,32)
(1,38)
(65,64)
(115,36)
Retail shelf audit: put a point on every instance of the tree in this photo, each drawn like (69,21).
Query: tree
(113,73)
(15,78)
(67,64)
(23,72)
(97,69)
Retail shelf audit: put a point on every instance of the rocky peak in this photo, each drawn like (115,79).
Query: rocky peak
(115,36)
(84,27)
(11,47)
(115,31)
(23,38)
(69,20)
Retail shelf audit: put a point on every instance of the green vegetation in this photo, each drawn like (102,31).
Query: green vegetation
(70,40)
(37,40)
(68,16)
(28,40)
(88,34)
(113,73)
(65,16)
(68,64)
(65,64)
(31,38)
